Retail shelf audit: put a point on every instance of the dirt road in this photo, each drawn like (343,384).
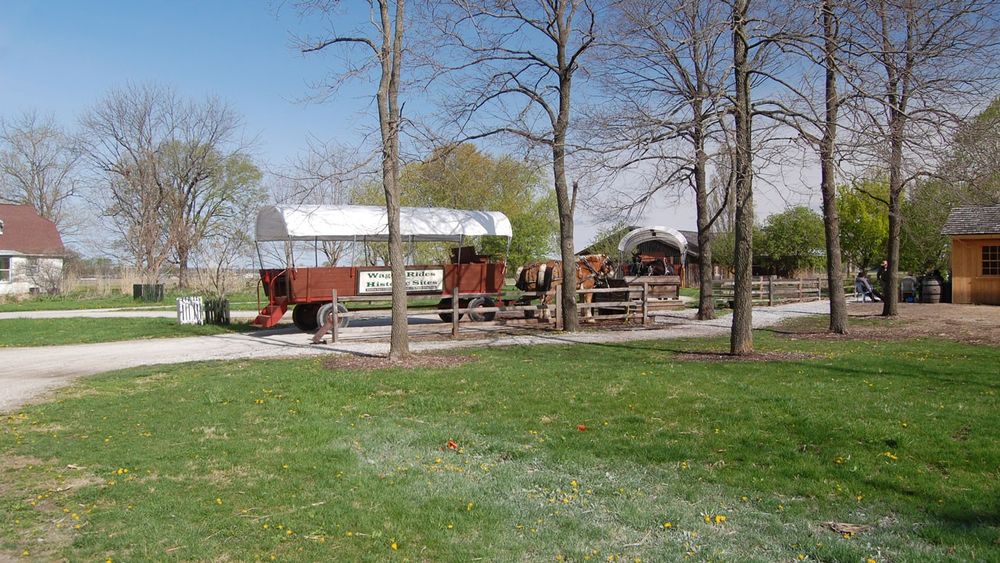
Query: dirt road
(27,373)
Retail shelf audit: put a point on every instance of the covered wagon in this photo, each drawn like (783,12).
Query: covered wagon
(308,290)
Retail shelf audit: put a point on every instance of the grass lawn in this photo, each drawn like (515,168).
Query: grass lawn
(53,332)
(245,301)
(581,453)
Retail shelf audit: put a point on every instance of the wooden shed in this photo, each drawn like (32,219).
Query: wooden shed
(975,254)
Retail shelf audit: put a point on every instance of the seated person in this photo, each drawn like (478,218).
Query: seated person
(636,267)
(864,287)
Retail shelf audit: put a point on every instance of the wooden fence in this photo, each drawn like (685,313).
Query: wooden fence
(639,305)
(769,290)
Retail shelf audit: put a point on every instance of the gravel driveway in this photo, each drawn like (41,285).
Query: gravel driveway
(29,372)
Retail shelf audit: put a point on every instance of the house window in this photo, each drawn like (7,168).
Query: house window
(991,260)
(4,268)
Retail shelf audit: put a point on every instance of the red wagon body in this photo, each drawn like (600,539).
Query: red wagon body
(309,290)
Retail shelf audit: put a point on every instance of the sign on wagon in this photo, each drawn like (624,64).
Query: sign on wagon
(417,281)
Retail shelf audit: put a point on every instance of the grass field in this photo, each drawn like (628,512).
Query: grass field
(582,453)
(72,301)
(78,330)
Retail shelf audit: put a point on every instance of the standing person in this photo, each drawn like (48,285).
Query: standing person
(882,274)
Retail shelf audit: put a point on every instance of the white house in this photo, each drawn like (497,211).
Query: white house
(31,252)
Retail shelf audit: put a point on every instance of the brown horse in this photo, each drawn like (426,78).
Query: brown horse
(591,271)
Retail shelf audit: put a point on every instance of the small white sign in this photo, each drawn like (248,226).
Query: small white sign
(189,311)
(417,281)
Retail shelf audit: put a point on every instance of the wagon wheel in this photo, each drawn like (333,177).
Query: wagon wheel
(327,310)
(304,316)
(444,309)
(478,302)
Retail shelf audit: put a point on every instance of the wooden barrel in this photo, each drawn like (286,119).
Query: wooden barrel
(930,292)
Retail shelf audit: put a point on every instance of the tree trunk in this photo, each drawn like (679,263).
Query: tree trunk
(570,313)
(706,298)
(565,201)
(741,337)
(831,218)
(182,267)
(889,282)
(389,121)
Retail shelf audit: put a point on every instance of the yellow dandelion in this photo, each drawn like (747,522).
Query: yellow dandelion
(668,525)
(394,546)
(218,500)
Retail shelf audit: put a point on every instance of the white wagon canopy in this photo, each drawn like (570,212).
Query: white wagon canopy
(367,223)
(666,235)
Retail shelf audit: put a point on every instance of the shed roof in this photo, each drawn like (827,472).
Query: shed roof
(978,220)
(24,232)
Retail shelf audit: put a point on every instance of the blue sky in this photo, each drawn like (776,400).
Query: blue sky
(60,58)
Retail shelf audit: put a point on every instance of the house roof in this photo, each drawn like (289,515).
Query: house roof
(973,221)
(24,232)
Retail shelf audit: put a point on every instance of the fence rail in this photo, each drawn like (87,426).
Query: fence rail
(639,305)
(769,290)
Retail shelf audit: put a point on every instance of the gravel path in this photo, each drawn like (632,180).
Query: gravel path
(29,372)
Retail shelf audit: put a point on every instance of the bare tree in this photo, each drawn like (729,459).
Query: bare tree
(920,67)
(741,336)
(518,60)
(38,165)
(173,170)
(384,47)
(122,136)
(209,179)
(814,32)
(323,173)
(668,69)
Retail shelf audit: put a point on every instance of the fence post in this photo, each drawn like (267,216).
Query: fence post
(645,303)
(800,289)
(454,312)
(334,311)
(557,314)
(770,291)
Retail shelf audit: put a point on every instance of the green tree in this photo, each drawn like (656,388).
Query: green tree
(864,221)
(462,177)
(606,240)
(792,240)
(923,248)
